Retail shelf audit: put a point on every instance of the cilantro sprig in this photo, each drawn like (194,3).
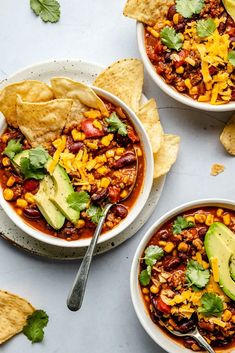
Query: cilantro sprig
(205,28)
(180,224)
(152,254)
(34,165)
(196,276)
(116,125)
(78,200)
(231,57)
(188,8)
(170,38)
(36,322)
(48,10)
(211,305)
(95,212)
(13,147)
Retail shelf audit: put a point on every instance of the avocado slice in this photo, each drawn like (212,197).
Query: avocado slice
(220,243)
(230,7)
(63,188)
(52,215)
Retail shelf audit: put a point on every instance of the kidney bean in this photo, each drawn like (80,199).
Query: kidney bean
(186,326)
(171,263)
(202,231)
(180,27)
(32,213)
(75,147)
(99,195)
(207,326)
(163,234)
(31,185)
(114,193)
(127,159)
(171,12)
(188,342)
(120,211)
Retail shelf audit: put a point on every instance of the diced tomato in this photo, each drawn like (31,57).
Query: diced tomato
(90,130)
(231,31)
(182,54)
(131,134)
(114,193)
(31,185)
(163,307)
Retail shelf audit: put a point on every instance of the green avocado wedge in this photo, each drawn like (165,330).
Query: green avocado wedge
(220,243)
(230,7)
(51,213)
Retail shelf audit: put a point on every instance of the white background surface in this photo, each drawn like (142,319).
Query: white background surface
(95,30)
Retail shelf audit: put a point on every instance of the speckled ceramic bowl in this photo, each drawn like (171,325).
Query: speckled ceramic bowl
(134,211)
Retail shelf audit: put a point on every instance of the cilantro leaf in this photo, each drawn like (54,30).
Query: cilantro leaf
(48,10)
(188,8)
(35,325)
(152,254)
(28,172)
(196,275)
(211,304)
(13,147)
(38,157)
(95,212)
(206,27)
(116,125)
(231,57)
(181,223)
(78,200)
(145,276)
(170,38)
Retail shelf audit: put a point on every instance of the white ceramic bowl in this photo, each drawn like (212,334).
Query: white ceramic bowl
(135,209)
(170,90)
(166,342)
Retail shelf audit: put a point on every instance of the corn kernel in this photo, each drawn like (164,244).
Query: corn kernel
(107,139)
(103,170)
(29,197)
(97,124)
(77,135)
(154,289)
(193,90)
(105,182)
(5,138)
(147,299)
(11,181)
(8,194)
(183,247)
(6,162)
(124,194)
(21,203)
(209,220)
(167,22)
(233,319)
(80,224)
(190,219)
(227,219)
(169,247)
(145,290)
(176,18)
(190,61)
(226,315)
(153,32)
(110,153)
(120,151)
(180,70)
(92,145)
(205,265)
(200,218)
(139,151)
(57,143)
(93,114)
(188,83)
(19,211)
(162,243)
(219,212)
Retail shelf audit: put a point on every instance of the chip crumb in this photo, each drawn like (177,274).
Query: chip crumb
(217,169)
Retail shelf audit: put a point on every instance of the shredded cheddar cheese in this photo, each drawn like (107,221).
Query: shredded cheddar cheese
(60,144)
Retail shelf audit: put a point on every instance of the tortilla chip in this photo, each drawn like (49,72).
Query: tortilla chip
(14,312)
(30,91)
(227,137)
(217,169)
(149,117)
(83,98)
(124,79)
(42,123)
(147,11)
(166,156)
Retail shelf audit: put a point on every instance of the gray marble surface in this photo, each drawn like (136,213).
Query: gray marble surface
(96,31)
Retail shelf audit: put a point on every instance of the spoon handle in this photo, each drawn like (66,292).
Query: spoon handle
(75,298)
(203,343)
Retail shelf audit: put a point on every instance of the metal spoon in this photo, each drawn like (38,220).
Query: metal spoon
(75,297)
(194,333)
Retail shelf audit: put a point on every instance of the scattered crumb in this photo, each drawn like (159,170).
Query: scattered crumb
(217,169)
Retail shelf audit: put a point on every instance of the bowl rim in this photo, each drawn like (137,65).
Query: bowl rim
(136,207)
(169,90)
(162,339)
